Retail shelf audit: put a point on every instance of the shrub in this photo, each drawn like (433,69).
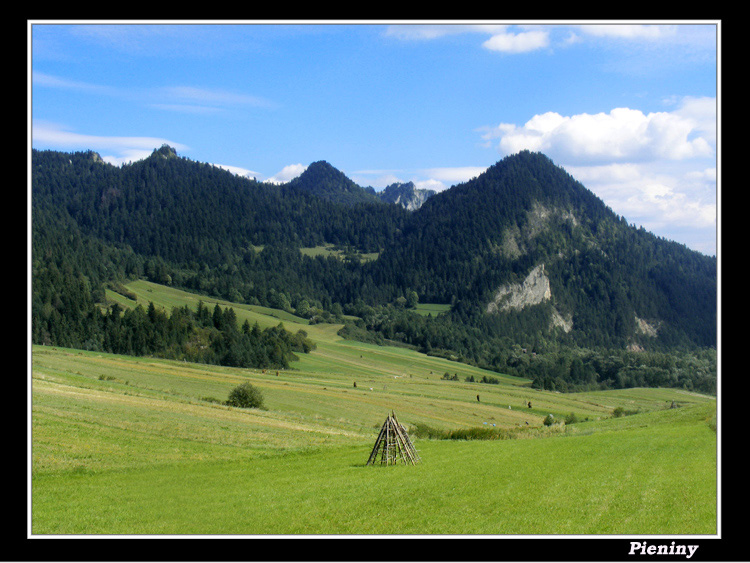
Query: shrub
(246,396)
(620,411)
(477,433)
(571,418)
(712,423)
(549,420)
(420,430)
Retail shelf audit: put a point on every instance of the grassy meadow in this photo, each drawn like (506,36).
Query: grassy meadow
(125,445)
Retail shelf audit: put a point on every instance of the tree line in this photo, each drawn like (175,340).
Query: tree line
(65,314)
(549,363)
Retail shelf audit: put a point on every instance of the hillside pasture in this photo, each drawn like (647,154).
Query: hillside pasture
(433,309)
(125,445)
(330,250)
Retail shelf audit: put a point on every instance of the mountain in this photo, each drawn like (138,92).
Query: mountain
(526,248)
(524,255)
(406,195)
(324,181)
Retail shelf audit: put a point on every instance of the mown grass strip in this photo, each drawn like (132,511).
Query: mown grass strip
(654,478)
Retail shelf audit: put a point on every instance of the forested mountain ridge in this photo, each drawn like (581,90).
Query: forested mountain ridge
(523,223)
(325,181)
(604,275)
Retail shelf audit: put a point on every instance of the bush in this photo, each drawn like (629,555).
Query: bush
(571,418)
(246,396)
(549,420)
(420,430)
(476,433)
(620,411)
(479,433)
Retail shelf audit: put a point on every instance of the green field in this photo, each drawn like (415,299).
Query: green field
(327,250)
(124,445)
(433,309)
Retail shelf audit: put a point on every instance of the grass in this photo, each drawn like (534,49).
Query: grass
(634,480)
(327,250)
(124,445)
(433,309)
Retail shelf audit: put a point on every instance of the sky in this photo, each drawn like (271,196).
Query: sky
(629,109)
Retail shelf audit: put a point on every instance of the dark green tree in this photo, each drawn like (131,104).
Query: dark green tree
(246,396)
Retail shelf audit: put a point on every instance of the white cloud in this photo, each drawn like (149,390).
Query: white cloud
(287,173)
(702,176)
(500,38)
(212,97)
(637,191)
(679,204)
(629,31)
(517,42)
(613,30)
(505,38)
(244,172)
(571,39)
(431,184)
(662,205)
(183,99)
(622,135)
(40,79)
(701,112)
(655,169)
(125,149)
(377,179)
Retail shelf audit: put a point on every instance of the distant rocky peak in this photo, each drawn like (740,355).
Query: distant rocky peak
(406,194)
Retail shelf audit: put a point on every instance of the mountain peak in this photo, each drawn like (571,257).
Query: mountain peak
(165,151)
(407,195)
(322,164)
(325,181)
(527,179)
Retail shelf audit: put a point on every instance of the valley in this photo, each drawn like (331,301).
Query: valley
(140,445)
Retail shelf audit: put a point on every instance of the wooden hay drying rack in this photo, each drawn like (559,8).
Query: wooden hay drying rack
(393,445)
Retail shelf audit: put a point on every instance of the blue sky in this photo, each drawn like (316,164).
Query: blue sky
(629,109)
